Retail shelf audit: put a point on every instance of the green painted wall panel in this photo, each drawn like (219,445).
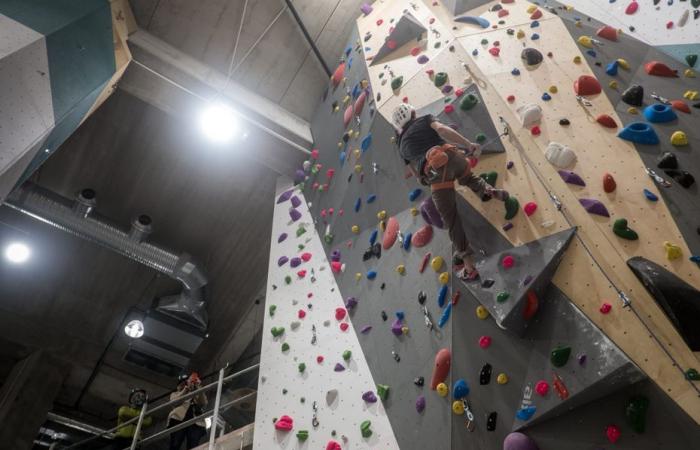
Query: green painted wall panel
(48,16)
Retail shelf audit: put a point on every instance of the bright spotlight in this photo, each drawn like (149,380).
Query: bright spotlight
(17,253)
(134,329)
(219,123)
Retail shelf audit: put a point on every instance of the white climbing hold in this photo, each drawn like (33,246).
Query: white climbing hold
(560,155)
(529,114)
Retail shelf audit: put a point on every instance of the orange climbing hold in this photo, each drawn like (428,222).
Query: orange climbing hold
(531,305)
(609,184)
(441,368)
(607,32)
(660,69)
(606,121)
(587,85)
(681,106)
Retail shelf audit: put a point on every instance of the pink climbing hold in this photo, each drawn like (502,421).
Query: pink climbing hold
(306,256)
(340,313)
(301,314)
(301,273)
(511,98)
(422,237)
(360,103)
(503,13)
(542,388)
(332,445)
(314,154)
(536,130)
(459,92)
(605,308)
(338,74)
(536,15)
(508,262)
(391,233)
(347,116)
(336,266)
(379,22)
(495,51)
(449,109)
(344,326)
(613,433)
(485,342)
(391,44)
(632,8)
(669,25)
(530,208)
(415,51)
(319,359)
(331,211)
(284,423)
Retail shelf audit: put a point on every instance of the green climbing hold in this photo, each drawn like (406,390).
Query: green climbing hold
(347,354)
(273,308)
(301,230)
(468,102)
(692,375)
(396,83)
(302,435)
(285,347)
(484,41)
(288,279)
(512,207)
(277,331)
(691,59)
(490,177)
(480,138)
(559,356)
(365,429)
(437,44)
(502,297)
(440,79)
(302,367)
(383,391)
(621,229)
(328,238)
(695,3)
(636,412)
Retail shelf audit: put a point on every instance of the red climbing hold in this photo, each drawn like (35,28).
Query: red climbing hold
(612,432)
(681,106)
(587,85)
(360,103)
(301,273)
(495,51)
(530,208)
(391,233)
(605,308)
(511,98)
(306,256)
(314,154)
(391,44)
(422,237)
(284,423)
(536,15)
(338,74)
(424,263)
(330,173)
(632,8)
(441,368)
(503,13)
(669,25)
(379,22)
(332,445)
(431,20)
(532,304)
(405,99)
(542,388)
(660,69)
(536,130)
(301,314)
(336,266)
(607,32)
(609,184)
(485,342)
(415,51)
(344,326)
(508,262)
(340,313)
(347,116)
(606,121)
(319,359)
(459,92)
(449,109)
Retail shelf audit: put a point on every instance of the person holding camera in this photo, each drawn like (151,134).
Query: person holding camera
(188,409)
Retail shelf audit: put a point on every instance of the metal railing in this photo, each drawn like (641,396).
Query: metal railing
(213,413)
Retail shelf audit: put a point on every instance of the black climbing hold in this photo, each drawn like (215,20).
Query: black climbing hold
(383,286)
(564,122)
(633,95)
(495,8)
(309,306)
(667,160)
(419,381)
(451,48)
(274,286)
(485,375)
(510,31)
(632,29)
(491,421)
(346,137)
(487,283)
(598,63)
(422,297)
(636,411)
(379,97)
(531,56)
(696,14)
(349,178)
(696,105)
(679,300)
(682,177)
(384,316)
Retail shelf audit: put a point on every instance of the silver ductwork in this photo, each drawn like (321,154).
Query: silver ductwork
(78,217)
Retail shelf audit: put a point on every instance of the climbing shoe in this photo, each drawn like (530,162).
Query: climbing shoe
(466,275)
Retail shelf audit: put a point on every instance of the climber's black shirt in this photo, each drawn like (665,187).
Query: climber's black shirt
(417,138)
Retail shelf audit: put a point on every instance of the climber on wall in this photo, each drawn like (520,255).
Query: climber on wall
(429,149)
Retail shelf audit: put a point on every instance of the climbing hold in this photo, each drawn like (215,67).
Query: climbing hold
(391,233)
(660,69)
(519,441)
(396,83)
(586,41)
(546,97)
(536,15)
(650,195)
(365,429)
(612,432)
(682,177)
(594,206)
(636,411)
(560,387)
(371,198)
(420,404)
(564,122)
(559,356)
(529,114)
(560,155)
(302,435)
(571,178)
(441,368)
(282,260)
(520,34)
(422,237)
(485,374)
(301,367)
(401,269)
(605,308)
(531,56)
(502,378)
(502,297)
(440,79)
(515,72)
(277,331)
(621,228)
(679,139)
(272,310)
(609,184)
(587,85)
(613,84)
(482,313)
(468,102)
(442,296)
(633,95)
(495,51)
(444,278)
(530,208)
(680,105)
(382,391)
(577,59)
(442,390)
(606,121)
(508,262)
(437,263)
(473,20)
(640,133)
(355,229)
(284,423)
(458,407)
(524,414)
(460,389)
(285,347)
(673,251)
(692,374)
(659,113)
(542,388)
(485,342)
(607,32)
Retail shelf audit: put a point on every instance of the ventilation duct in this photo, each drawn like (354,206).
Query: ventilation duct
(79,219)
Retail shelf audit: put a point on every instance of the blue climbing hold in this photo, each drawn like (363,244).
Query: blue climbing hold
(473,20)
(348,49)
(526,413)
(445,315)
(342,158)
(535,36)
(371,198)
(640,133)
(592,53)
(535,24)
(414,194)
(442,295)
(400,315)
(373,237)
(650,195)
(460,389)
(366,142)
(356,91)
(515,72)
(372,274)
(695,259)
(659,113)
(611,69)
(358,204)
(475,52)
(348,65)
(546,97)
(407,241)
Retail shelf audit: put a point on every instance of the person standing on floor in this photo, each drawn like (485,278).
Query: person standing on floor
(187,410)
(429,149)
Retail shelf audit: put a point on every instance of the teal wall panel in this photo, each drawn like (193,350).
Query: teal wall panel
(48,16)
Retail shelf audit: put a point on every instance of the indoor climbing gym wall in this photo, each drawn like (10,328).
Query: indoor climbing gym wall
(582,330)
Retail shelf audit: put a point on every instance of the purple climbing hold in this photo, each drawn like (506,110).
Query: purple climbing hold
(581,359)
(527,280)
(594,206)
(299,176)
(335,255)
(282,237)
(446,89)
(396,327)
(420,404)
(571,178)
(294,214)
(366,329)
(510,165)
(507,226)
(519,441)
(350,302)
(339,367)
(282,261)
(369,397)
(295,201)
(294,262)
(422,59)
(285,195)
(366,9)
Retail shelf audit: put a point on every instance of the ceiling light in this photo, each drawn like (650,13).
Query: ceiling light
(17,253)
(219,123)
(134,329)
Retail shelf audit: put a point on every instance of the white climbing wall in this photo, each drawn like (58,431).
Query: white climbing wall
(279,370)
(649,21)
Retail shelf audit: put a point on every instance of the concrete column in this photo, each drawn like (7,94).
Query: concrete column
(26,398)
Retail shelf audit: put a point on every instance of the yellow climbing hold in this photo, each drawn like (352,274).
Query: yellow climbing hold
(578,24)
(553,89)
(632,110)
(364,84)
(689,73)
(458,407)
(679,138)
(672,251)
(623,63)
(381,215)
(569,8)
(393,139)
(357,153)
(346,99)
(336,109)
(520,34)
(358,276)
(358,168)
(382,225)
(404,330)
(442,389)
(401,269)
(691,95)
(437,263)
(356,134)
(502,378)
(444,278)
(481,312)
(355,229)
(531,9)
(586,41)
(577,59)
(613,84)
(414,211)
